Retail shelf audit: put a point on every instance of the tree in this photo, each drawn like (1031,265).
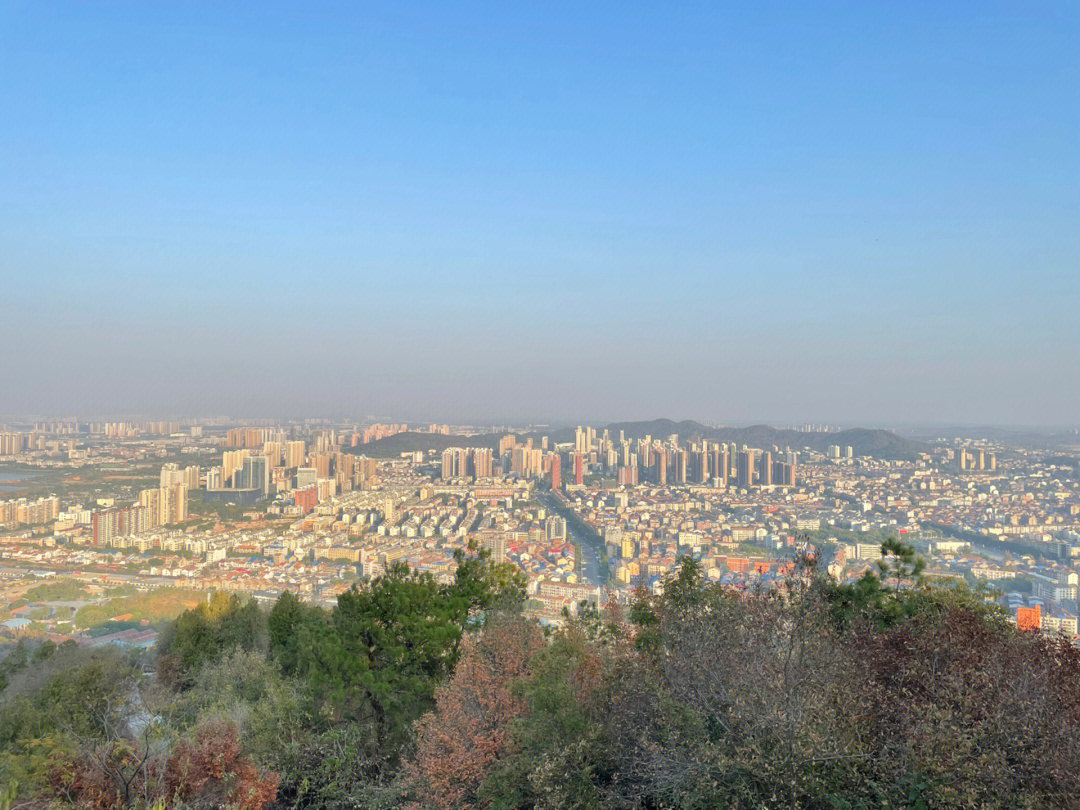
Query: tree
(962,709)
(209,770)
(389,643)
(204,633)
(552,756)
(75,724)
(119,767)
(488,585)
(292,627)
(905,564)
(460,740)
(736,701)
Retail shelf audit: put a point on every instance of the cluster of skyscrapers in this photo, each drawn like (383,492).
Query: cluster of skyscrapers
(162,506)
(975,460)
(30,512)
(629,461)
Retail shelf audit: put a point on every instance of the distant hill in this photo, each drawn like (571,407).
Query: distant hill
(394,446)
(864,441)
(882,444)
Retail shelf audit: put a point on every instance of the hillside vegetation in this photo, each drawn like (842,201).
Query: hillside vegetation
(885,693)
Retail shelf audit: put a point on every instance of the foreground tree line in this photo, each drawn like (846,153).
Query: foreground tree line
(886,693)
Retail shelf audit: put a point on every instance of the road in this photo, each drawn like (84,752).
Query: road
(589,568)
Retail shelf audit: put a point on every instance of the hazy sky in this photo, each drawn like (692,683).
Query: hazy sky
(860,212)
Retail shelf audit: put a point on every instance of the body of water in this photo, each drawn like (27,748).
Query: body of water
(11,481)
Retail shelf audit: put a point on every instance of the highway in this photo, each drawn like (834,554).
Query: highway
(590,568)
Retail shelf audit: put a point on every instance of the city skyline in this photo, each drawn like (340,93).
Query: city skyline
(769,216)
(439,406)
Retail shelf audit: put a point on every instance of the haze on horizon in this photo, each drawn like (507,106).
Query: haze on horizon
(777,214)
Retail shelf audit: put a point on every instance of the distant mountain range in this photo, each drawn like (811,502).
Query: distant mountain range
(882,444)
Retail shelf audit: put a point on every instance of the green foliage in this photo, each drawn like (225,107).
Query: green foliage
(871,599)
(55,698)
(890,691)
(291,626)
(488,585)
(788,698)
(388,645)
(155,606)
(373,664)
(93,615)
(64,590)
(900,562)
(554,743)
(203,634)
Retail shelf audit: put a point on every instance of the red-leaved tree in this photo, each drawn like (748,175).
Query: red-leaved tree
(211,770)
(459,741)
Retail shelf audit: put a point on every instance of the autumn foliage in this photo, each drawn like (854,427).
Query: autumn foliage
(210,770)
(413,693)
(973,708)
(469,729)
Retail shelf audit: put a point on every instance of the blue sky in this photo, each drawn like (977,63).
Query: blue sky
(857,212)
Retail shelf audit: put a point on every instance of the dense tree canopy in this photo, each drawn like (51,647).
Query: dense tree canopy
(888,692)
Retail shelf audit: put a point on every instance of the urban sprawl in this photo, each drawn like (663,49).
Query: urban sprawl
(127,509)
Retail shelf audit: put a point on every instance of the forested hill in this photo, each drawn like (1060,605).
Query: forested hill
(882,444)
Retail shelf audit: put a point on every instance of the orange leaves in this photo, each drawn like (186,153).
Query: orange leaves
(212,770)
(458,742)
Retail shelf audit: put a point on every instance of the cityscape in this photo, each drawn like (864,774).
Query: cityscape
(585,513)
(540,406)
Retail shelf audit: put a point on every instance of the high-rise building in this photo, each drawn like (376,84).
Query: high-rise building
(679,466)
(306,498)
(521,458)
(555,528)
(703,462)
(744,478)
(321,463)
(255,474)
(105,526)
(231,463)
(272,451)
(295,454)
(556,471)
(192,476)
(213,478)
(765,473)
(151,499)
(30,512)
(345,470)
(483,462)
(172,474)
(173,504)
(495,542)
(723,467)
(660,464)
(581,440)
(12,443)
(534,462)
